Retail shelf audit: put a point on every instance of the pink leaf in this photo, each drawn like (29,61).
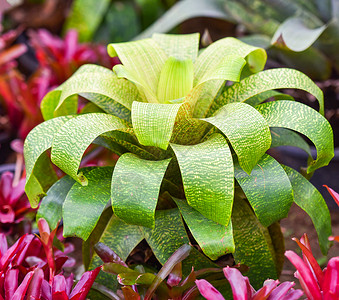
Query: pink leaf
(11,282)
(237,282)
(333,193)
(312,261)
(331,280)
(208,290)
(21,290)
(85,283)
(313,291)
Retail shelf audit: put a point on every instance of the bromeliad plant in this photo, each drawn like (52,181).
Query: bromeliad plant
(192,150)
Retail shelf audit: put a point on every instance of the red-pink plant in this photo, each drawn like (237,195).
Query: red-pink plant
(58,60)
(22,277)
(242,289)
(317,284)
(14,204)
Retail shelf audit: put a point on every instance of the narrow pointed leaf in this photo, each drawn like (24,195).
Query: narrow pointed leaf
(133,56)
(135,188)
(84,204)
(183,46)
(153,123)
(307,197)
(268,190)
(177,257)
(214,239)
(303,119)
(91,79)
(208,290)
(253,245)
(269,80)
(285,137)
(247,131)
(37,142)
(50,208)
(74,137)
(208,177)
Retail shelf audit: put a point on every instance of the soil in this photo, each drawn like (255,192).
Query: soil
(295,225)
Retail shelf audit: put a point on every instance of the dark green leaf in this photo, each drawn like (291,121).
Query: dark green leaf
(135,188)
(268,190)
(84,204)
(303,119)
(208,177)
(310,200)
(214,239)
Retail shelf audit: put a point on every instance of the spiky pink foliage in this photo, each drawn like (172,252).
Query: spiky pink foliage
(317,284)
(28,273)
(58,60)
(242,289)
(14,204)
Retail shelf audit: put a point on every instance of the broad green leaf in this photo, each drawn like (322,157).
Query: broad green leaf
(95,236)
(49,105)
(142,63)
(267,189)
(91,79)
(184,10)
(135,188)
(257,99)
(214,239)
(247,131)
(213,58)
(122,238)
(108,105)
(153,123)
(229,68)
(214,54)
(75,136)
(110,140)
(85,17)
(84,204)
(37,142)
(51,206)
(208,177)
(168,234)
(285,137)
(307,197)
(44,171)
(303,119)
(175,81)
(183,46)
(265,81)
(253,245)
(295,35)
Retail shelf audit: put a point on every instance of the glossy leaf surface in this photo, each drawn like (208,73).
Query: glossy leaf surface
(267,189)
(208,177)
(135,188)
(296,116)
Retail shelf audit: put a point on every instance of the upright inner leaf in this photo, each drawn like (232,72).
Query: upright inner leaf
(176,80)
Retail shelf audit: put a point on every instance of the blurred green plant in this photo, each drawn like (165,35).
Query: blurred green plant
(191,148)
(113,20)
(302,34)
